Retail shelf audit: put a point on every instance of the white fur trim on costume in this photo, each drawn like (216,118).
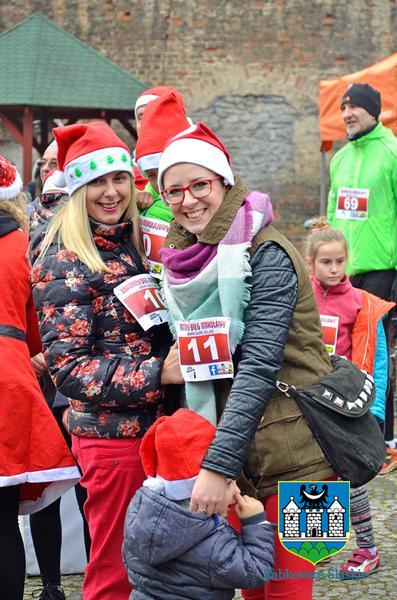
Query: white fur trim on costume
(84,169)
(11,191)
(145,99)
(59,480)
(198,152)
(179,489)
(150,161)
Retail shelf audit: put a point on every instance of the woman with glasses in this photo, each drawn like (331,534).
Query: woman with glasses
(241,307)
(106,358)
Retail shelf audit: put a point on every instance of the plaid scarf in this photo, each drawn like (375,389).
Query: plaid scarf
(204,281)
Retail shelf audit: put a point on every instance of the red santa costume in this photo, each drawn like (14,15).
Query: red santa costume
(33,453)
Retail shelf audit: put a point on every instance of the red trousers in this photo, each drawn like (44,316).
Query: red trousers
(112,472)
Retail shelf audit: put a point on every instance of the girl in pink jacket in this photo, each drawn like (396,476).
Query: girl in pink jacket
(352,327)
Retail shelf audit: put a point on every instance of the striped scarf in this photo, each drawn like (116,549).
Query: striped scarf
(204,281)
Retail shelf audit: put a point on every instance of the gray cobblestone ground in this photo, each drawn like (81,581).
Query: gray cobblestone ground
(380,586)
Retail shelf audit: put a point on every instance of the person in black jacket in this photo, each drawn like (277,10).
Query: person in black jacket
(241,305)
(110,367)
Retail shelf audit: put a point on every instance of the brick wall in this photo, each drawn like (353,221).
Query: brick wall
(249,69)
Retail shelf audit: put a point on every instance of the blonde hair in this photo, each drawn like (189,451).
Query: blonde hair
(70,227)
(17,209)
(322,234)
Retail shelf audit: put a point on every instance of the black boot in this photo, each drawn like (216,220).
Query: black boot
(51,592)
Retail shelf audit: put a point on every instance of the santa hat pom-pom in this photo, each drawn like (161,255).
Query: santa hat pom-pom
(59,179)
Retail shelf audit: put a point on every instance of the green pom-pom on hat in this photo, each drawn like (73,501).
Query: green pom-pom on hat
(110,160)
(93,164)
(78,172)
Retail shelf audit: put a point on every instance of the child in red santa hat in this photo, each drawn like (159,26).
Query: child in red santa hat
(171,552)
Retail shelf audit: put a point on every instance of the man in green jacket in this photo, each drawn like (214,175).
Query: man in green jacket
(362,203)
(363,197)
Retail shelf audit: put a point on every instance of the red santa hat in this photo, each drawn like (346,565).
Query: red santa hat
(10,180)
(154,93)
(172,451)
(200,146)
(163,118)
(87,151)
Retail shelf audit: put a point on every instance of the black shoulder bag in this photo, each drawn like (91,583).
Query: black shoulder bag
(336,409)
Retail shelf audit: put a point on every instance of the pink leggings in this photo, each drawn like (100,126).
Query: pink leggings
(112,472)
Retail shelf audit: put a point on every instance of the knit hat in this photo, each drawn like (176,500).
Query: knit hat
(50,185)
(163,118)
(10,180)
(172,451)
(154,93)
(200,146)
(362,94)
(87,151)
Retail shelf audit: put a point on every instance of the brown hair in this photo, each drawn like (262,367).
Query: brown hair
(322,234)
(17,209)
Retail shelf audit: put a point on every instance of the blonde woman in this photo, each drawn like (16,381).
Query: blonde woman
(35,464)
(97,352)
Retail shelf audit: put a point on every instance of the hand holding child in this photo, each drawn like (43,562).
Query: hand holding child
(247,507)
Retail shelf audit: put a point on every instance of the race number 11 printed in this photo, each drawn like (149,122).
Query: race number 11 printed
(204,351)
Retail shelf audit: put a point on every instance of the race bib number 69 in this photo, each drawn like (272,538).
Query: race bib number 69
(352,204)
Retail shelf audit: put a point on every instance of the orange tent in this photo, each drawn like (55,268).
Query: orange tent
(382,76)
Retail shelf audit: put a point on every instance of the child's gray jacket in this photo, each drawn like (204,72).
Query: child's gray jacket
(173,554)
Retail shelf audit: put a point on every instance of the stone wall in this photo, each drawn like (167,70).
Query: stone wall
(249,69)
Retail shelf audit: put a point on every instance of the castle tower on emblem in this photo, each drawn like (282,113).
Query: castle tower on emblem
(314,522)
(335,519)
(291,519)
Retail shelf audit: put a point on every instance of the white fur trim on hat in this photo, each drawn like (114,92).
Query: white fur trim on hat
(198,152)
(11,191)
(145,99)
(179,489)
(150,161)
(84,169)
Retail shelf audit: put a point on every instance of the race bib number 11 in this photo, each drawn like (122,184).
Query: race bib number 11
(352,204)
(204,352)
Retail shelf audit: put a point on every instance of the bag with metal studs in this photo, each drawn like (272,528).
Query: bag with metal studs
(336,409)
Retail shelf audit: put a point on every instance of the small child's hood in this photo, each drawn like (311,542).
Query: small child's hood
(158,530)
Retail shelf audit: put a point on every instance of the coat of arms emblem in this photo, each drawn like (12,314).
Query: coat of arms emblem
(314,518)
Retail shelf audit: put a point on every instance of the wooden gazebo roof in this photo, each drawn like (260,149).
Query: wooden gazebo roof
(46,73)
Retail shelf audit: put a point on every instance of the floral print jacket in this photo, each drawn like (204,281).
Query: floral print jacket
(97,353)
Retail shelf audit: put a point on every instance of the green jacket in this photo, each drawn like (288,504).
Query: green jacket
(158,210)
(368,163)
